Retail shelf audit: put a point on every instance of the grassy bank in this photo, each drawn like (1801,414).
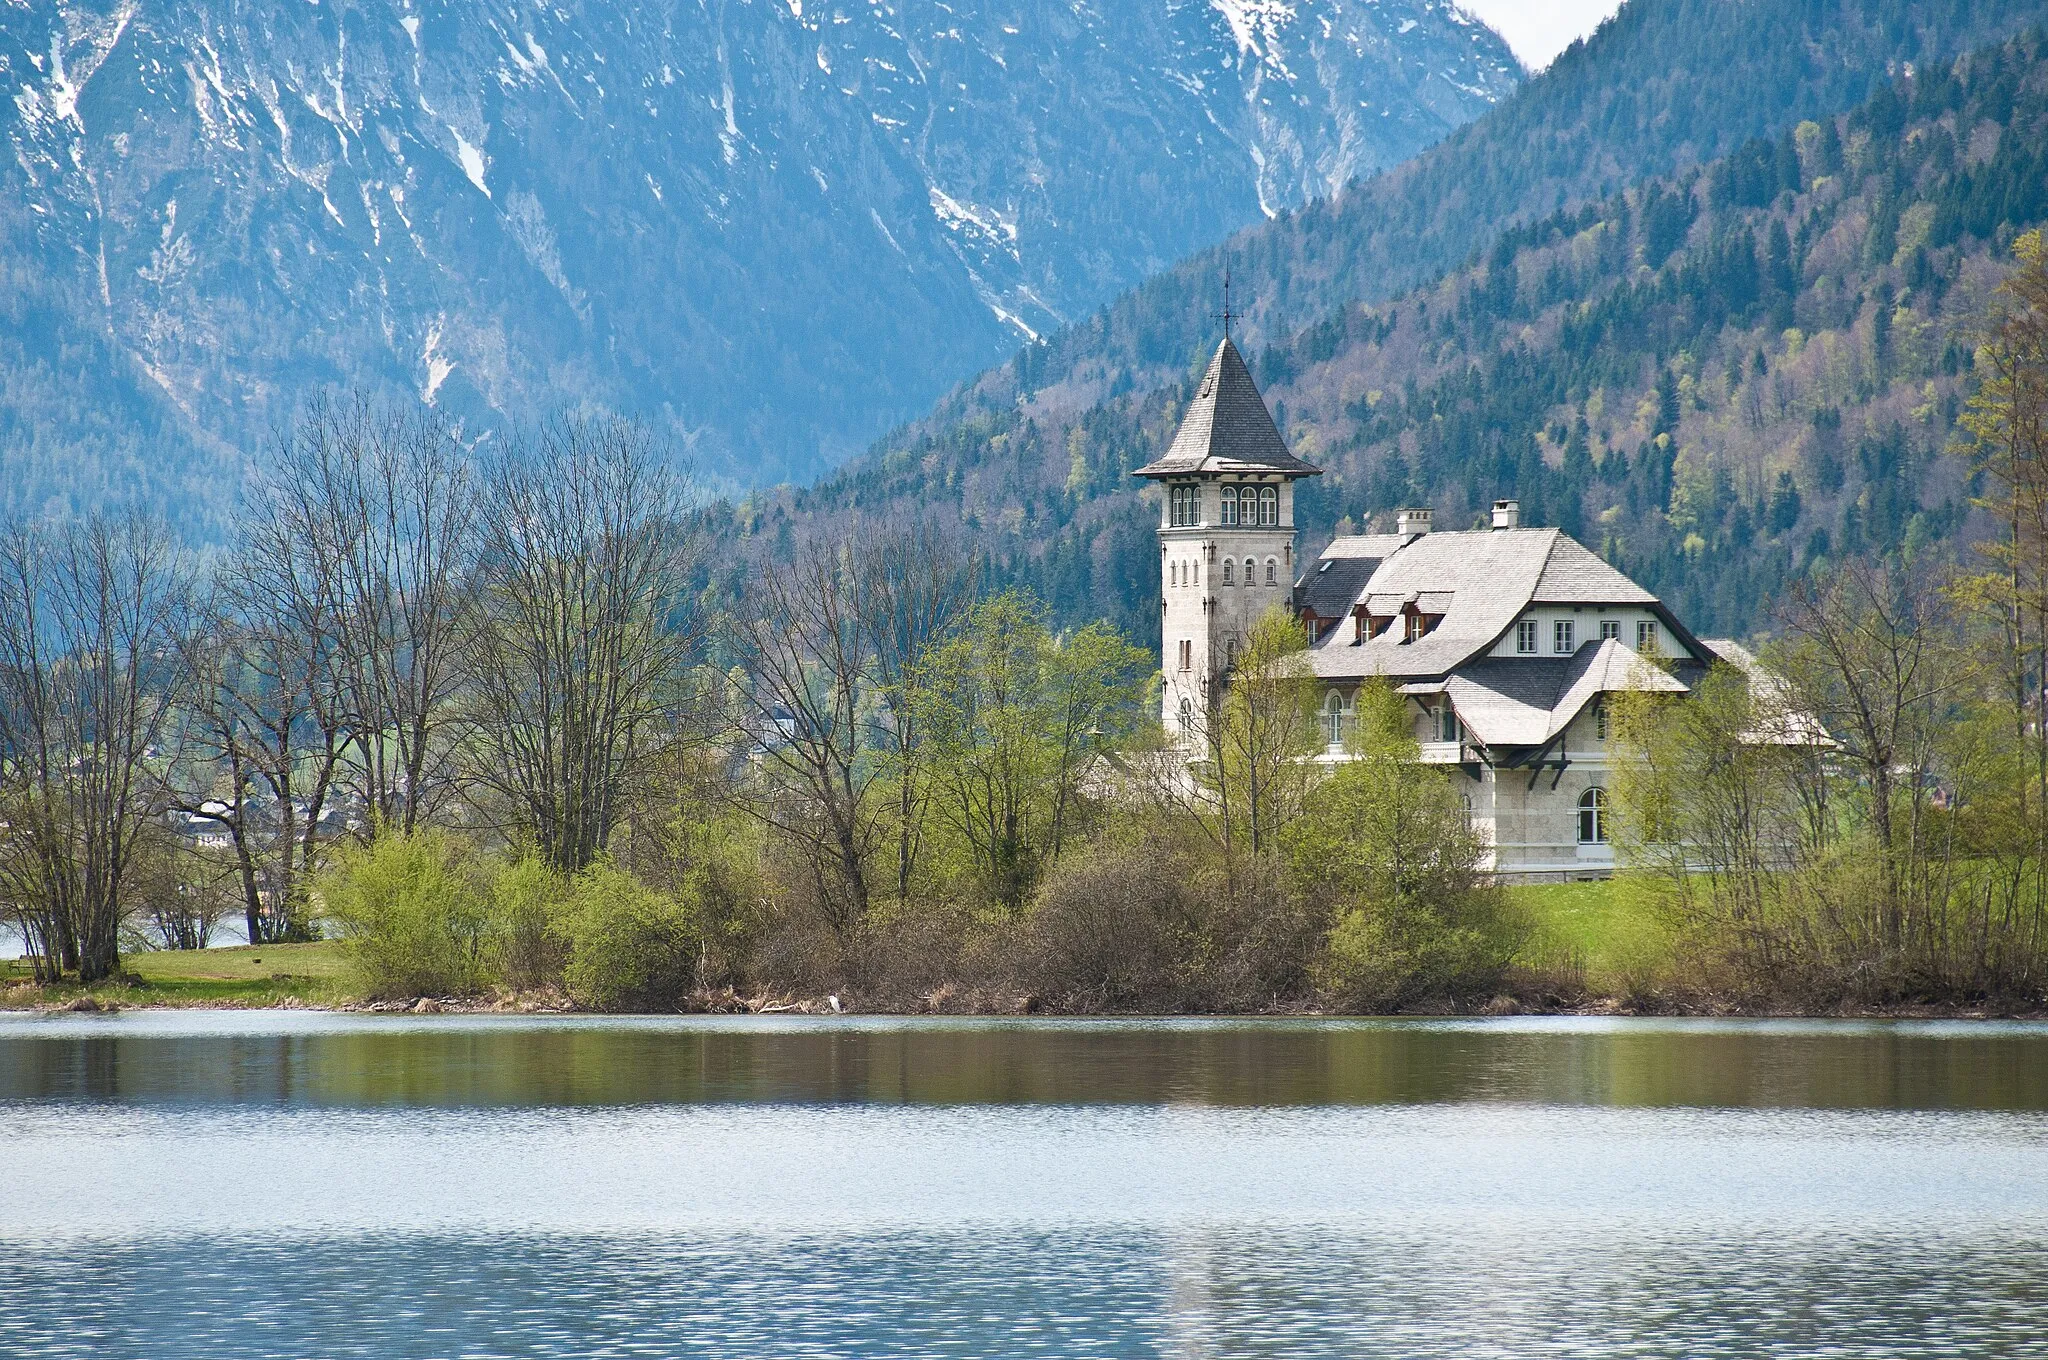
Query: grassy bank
(262,975)
(1604,933)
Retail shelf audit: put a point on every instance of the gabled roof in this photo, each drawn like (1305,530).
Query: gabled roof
(1572,575)
(1480,581)
(1515,702)
(1227,428)
(1490,576)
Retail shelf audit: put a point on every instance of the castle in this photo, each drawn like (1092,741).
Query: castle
(1505,640)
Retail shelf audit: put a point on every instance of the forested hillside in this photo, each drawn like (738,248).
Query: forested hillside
(1716,377)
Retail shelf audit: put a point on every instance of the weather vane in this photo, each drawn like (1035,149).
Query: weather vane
(1228,315)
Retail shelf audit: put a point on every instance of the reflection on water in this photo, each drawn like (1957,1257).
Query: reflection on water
(327,1059)
(186,1186)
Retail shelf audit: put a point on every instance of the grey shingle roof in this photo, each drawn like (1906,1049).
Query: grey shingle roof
(1480,581)
(1332,584)
(1490,576)
(1572,575)
(1227,427)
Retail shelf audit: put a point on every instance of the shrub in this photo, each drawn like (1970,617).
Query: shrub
(526,896)
(414,912)
(630,947)
(1104,933)
(1386,843)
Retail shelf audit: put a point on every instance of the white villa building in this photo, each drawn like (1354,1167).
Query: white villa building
(1506,639)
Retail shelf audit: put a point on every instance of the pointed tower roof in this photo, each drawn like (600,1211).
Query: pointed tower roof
(1228,428)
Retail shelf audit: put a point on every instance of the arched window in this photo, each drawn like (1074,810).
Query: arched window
(1593,817)
(1251,572)
(1272,571)
(1229,506)
(1466,799)
(1187,715)
(1269,505)
(1227,578)
(1333,718)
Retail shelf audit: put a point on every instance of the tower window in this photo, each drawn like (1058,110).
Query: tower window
(1525,637)
(1593,817)
(1269,506)
(1272,570)
(1187,655)
(1184,505)
(1227,579)
(1564,637)
(1251,572)
(1600,721)
(1229,517)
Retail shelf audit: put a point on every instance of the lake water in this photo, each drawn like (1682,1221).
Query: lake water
(299,1185)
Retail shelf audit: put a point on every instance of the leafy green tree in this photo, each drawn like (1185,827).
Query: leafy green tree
(1261,737)
(1014,716)
(1387,841)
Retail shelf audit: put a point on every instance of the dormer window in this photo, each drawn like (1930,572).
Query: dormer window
(1184,505)
(1525,638)
(1417,626)
(1564,634)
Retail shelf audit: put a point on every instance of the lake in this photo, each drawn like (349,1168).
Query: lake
(289,1184)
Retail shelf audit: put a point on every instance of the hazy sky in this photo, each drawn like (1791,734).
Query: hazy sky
(1540,29)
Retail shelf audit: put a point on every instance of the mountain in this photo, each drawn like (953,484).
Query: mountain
(774,227)
(1037,452)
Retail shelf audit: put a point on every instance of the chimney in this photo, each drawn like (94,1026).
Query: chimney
(1507,514)
(1414,520)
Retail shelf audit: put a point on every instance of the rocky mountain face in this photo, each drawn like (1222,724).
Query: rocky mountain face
(772,227)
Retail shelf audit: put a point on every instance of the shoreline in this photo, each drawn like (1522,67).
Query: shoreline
(96,1002)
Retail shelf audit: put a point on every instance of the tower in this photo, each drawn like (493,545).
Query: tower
(1226,535)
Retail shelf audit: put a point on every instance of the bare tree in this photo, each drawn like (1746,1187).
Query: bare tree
(267,720)
(583,630)
(1872,654)
(376,510)
(89,675)
(806,697)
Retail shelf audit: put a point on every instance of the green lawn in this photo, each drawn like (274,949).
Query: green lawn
(259,975)
(1607,927)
